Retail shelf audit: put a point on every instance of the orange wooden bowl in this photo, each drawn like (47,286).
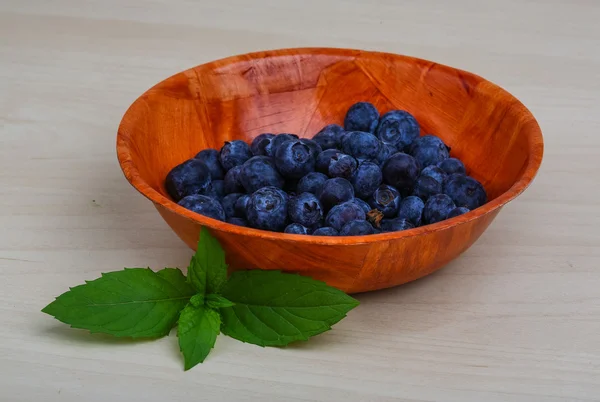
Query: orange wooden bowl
(300,91)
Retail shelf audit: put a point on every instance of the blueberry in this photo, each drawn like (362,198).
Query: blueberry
(237,221)
(457,211)
(313,145)
(305,209)
(361,116)
(386,199)
(342,165)
(452,165)
(258,172)
(426,186)
(295,159)
(216,190)
(267,209)
(187,178)
(329,137)
(385,152)
(232,181)
(277,141)
(241,205)
(311,183)
(363,204)
(296,228)
(229,202)
(262,144)
(334,192)
(395,225)
(356,228)
(234,153)
(437,208)
(435,173)
(325,231)
(210,157)
(398,128)
(428,150)
(324,159)
(344,213)
(367,178)
(411,209)
(465,191)
(203,205)
(401,171)
(361,145)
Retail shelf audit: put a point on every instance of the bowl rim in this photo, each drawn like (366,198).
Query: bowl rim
(533,132)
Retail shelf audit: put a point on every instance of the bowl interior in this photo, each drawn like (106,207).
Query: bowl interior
(301,90)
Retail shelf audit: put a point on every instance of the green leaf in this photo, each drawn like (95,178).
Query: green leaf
(217,301)
(197,331)
(207,271)
(273,309)
(135,302)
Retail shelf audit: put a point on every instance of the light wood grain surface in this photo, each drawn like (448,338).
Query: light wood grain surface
(516,318)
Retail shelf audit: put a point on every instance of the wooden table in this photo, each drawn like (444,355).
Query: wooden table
(516,318)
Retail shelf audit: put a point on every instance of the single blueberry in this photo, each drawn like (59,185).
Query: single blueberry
(325,231)
(361,145)
(367,178)
(234,153)
(361,116)
(386,199)
(385,152)
(240,206)
(342,165)
(457,211)
(216,190)
(296,228)
(229,202)
(295,159)
(210,157)
(324,159)
(334,192)
(398,128)
(395,225)
(305,209)
(187,178)
(428,150)
(356,228)
(267,209)
(401,171)
(411,209)
(426,186)
(232,181)
(437,208)
(277,141)
(329,136)
(203,205)
(237,221)
(344,213)
(261,144)
(435,173)
(452,165)
(363,204)
(258,172)
(465,191)
(311,183)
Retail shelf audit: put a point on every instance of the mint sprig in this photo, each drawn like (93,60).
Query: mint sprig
(266,308)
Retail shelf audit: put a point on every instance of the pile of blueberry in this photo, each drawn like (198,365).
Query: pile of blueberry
(376,174)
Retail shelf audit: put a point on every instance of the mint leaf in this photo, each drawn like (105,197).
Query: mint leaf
(135,302)
(197,331)
(207,271)
(217,301)
(274,309)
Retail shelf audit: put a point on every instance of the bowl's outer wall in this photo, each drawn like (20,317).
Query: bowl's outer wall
(300,91)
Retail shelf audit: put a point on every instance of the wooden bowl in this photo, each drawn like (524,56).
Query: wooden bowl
(300,91)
